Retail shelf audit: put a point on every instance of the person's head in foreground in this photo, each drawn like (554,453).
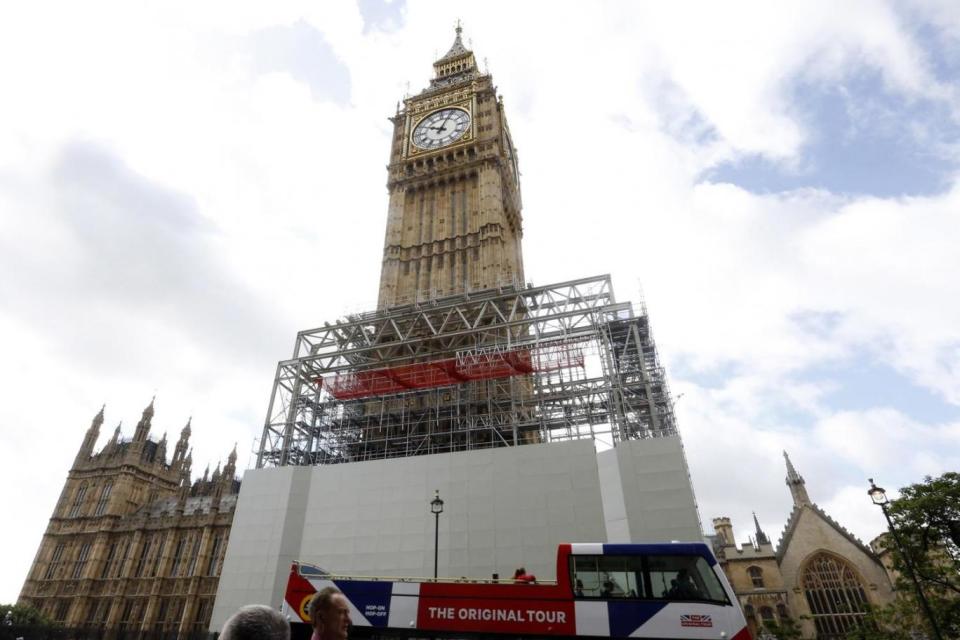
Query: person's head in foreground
(256,622)
(330,615)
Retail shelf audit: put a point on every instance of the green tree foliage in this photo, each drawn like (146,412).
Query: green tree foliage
(786,629)
(927,520)
(22,615)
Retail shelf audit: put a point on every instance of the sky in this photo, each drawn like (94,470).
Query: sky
(184,186)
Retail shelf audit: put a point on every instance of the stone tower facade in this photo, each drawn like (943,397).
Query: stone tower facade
(454,219)
(133,545)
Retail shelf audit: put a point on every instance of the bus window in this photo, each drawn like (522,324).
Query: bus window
(607,577)
(683,578)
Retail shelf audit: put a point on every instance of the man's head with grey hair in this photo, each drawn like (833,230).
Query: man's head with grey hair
(256,622)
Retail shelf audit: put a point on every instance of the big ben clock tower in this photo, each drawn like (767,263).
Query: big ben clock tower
(454,222)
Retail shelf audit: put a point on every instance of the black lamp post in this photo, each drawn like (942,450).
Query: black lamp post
(879,497)
(436,508)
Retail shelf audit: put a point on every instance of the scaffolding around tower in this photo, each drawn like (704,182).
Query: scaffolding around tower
(495,368)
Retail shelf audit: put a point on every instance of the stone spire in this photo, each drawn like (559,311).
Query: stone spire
(114,441)
(457,49)
(161,455)
(230,470)
(797,486)
(457,64)
(143,427)
(90,439)
(760,535)
(180,451)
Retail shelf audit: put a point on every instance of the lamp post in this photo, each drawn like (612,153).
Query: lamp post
(879,497)
(436,508)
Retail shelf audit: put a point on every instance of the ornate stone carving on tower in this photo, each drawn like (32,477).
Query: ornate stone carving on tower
(454,222)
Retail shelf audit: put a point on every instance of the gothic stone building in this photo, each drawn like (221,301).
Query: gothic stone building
(819,575)
(133,545)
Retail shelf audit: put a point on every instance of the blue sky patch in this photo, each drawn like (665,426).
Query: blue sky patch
(863,384)
(304,53)
(382,15)
(863,140)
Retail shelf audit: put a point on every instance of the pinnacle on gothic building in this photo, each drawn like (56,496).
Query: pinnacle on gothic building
(761,537)
(797,486)
(143,427)
(90,439)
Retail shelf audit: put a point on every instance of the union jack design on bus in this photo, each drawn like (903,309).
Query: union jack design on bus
(654,591)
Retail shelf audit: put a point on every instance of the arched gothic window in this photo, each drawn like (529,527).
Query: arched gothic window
(756,577)
(837,599)
(766,614)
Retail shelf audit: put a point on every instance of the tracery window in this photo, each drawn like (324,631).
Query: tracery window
(836,597)
(109,561)
(55,561)
(78,502)
(756,577)
(81,561)
(214,555)
(104,498)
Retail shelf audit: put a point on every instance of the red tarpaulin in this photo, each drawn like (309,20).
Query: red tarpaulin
(440,373)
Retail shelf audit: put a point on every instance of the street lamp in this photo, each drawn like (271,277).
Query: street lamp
(436,508)
(879,497)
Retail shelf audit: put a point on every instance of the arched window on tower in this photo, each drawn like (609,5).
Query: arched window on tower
(835,595)
(756,577)
(78,502)
(104,499)
(766,614)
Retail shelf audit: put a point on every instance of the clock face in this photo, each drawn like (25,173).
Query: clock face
(441,128)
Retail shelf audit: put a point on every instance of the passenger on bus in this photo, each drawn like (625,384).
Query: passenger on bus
(520,576)
(683,588)
(607,591)
(579,590)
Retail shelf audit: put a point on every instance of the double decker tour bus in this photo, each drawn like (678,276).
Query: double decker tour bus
(663,591)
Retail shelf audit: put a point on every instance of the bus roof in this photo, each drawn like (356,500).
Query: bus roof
(630,549)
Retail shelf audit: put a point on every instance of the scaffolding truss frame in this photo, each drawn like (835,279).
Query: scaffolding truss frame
(619,392)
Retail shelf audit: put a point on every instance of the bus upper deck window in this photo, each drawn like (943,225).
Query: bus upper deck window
(607,577)
(683,578)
